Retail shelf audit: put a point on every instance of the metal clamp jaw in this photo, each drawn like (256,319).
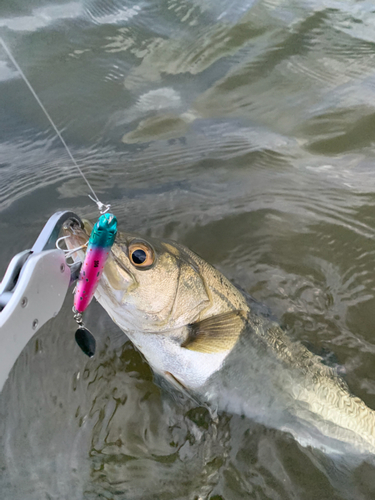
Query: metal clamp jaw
(33,290)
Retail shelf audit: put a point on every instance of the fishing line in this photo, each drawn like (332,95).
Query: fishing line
(101,206)
(98,246)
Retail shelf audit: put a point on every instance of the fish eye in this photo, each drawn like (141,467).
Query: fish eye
(141,255)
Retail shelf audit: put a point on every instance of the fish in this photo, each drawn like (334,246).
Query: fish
(211,340)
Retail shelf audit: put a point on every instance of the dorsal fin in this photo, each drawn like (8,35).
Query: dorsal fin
(216,334)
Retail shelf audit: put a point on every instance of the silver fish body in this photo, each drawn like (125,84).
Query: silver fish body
(281,384)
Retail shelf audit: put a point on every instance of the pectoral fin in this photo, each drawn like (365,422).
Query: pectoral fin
(216,334)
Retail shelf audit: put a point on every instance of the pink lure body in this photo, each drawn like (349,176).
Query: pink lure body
(89,277)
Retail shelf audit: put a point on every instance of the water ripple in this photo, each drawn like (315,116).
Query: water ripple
(242,129)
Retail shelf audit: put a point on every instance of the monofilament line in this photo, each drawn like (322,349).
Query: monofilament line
(101,206)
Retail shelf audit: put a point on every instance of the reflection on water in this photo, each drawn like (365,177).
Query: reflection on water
(241,129)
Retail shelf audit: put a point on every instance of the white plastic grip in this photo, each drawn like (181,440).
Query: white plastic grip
(38,296)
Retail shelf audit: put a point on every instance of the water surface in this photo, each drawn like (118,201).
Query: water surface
(244,130)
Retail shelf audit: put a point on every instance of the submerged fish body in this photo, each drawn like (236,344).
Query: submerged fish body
(207,338)
(281,384)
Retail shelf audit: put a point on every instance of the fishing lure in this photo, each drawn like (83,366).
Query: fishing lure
(99,245)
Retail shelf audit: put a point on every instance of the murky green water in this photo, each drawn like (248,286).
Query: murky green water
(244,130)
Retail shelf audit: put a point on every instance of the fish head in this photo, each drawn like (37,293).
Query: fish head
(156,285)
(174,306)
(148,284)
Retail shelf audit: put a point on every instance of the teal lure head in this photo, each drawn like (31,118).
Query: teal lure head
(104,232)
